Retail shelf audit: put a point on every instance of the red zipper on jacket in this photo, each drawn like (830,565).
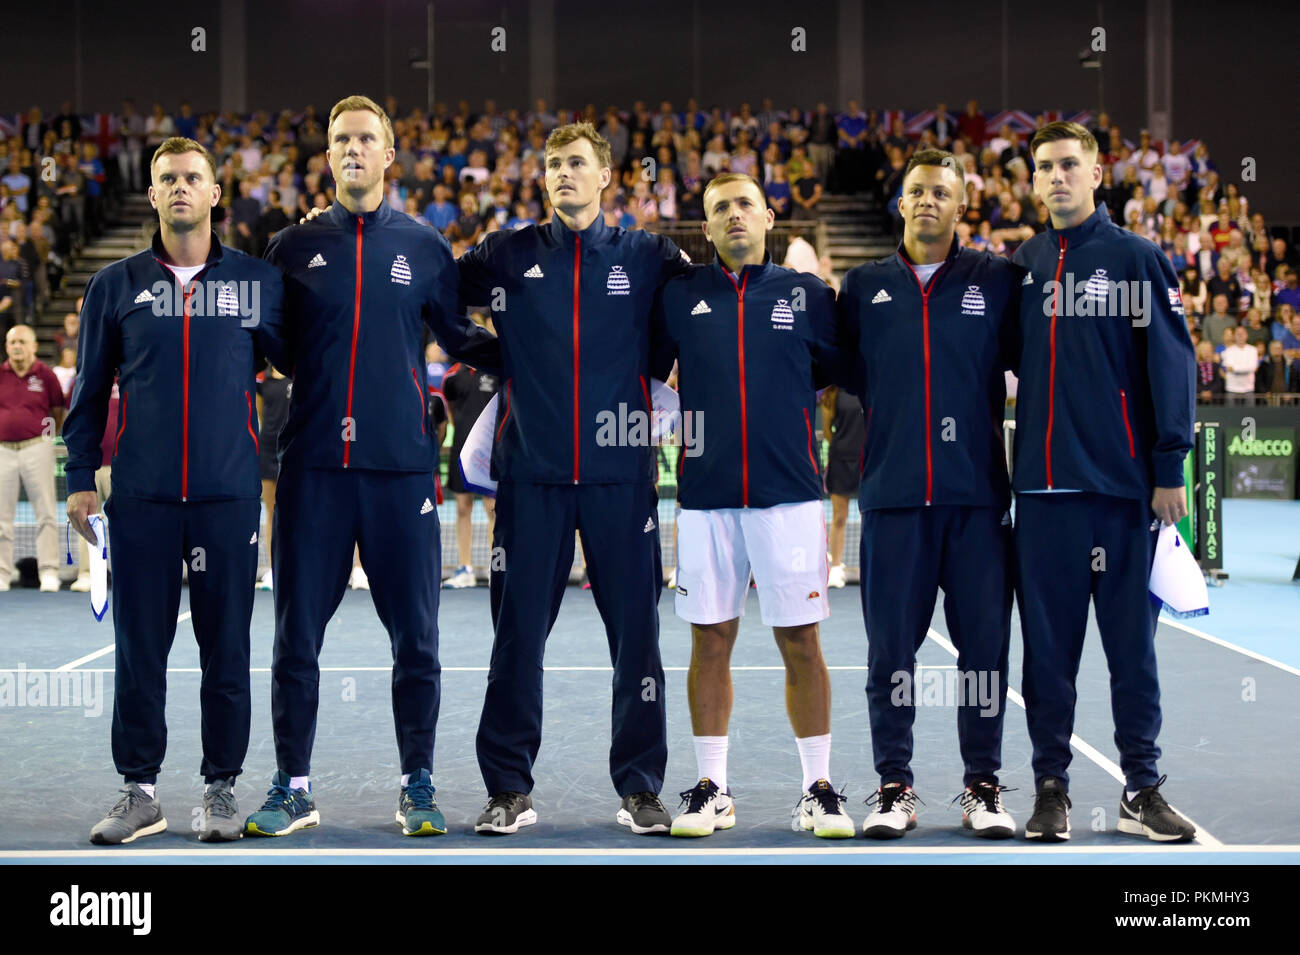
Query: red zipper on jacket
(352,361)
(744,409)
(1051,374)
(185,398)
(505,417)
(1123,409)
(649,408)
(807,421)
(122,427)
(925,333)
(423,400)
(577,284)
(257,447)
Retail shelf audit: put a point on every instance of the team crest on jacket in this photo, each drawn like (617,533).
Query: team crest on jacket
(617,282)
(782,317)
(401,271)
(972,301)
(1097,287)
(227,301)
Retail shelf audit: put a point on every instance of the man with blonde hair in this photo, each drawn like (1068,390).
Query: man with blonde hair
(571,302)
(364,285)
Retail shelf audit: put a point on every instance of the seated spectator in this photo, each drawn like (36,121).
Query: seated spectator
(469,225)
(779,196)
(441,212)
(1224,282)
(1256,331)
(665,192)
(1209,379)
(1195,292)
(66,369)
(13,281)
(1282,322)
(1291,339)
(67,335)
(1218,321)
(1289,293)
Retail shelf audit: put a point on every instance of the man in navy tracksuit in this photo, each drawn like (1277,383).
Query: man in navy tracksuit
(1103,421)
(753,342)
(932,329)
(362,284)
(184,322)
(571,301)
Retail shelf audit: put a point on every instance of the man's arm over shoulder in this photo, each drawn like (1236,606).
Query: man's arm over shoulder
(824,325)
(99,353)
(477,272)
(458,336)
(272,333)
(672,260)
(849,372)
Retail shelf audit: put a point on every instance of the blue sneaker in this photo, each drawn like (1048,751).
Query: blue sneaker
(416,809)
(284,811)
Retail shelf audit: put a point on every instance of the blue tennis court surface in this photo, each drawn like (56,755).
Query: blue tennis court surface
(1231,738)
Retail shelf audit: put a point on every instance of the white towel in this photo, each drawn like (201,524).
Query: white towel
(1176,578)
(99,568)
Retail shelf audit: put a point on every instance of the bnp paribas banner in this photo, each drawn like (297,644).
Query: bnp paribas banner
(1261,460)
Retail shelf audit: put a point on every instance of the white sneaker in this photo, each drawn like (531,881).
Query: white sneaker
(981,810)
(463,578)
(672,580)
(359,580)
(81,585)
(894,815)
(265,582)
(49,583)
(836,579)
(821,809)
(707,809)
(4,586)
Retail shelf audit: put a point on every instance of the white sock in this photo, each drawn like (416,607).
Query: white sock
(815,758)
(711,758)
(300,782)
(148,789)
(406,779)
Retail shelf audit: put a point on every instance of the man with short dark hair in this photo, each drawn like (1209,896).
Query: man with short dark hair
(185,322)
(928,333)
(1103,421)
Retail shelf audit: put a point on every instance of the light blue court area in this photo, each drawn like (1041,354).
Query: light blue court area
(1258,607)
(1231,702)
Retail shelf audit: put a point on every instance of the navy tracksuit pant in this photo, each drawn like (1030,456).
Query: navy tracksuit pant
(149,540)
(320,515)
(620,538)
(1060,539)
(907,554)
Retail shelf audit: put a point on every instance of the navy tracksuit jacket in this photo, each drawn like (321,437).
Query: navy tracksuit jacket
(934,493)
(357,457)
(751,355)
(573,313)
(185,481)
(1104,409)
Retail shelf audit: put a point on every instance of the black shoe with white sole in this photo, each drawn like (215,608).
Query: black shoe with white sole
(1147,814)
(644,814)
(1051,819)
(505,813)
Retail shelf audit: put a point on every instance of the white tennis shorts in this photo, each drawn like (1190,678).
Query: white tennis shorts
(784,545)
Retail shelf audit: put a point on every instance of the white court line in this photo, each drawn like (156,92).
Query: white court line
(1203,835)
(1047,851)
(1231,646)
(102,651)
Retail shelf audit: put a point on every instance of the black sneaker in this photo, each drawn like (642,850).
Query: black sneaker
(1051,819)
(644,814)
(505,813)
(1147,814)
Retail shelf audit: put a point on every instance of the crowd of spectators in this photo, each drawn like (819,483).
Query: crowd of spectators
(469,172)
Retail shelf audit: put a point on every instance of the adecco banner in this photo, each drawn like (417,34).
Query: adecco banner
(1260,448)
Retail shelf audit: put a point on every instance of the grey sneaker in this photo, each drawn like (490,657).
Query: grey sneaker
(221,820)
(132,816)
(505,813)
(644,814)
